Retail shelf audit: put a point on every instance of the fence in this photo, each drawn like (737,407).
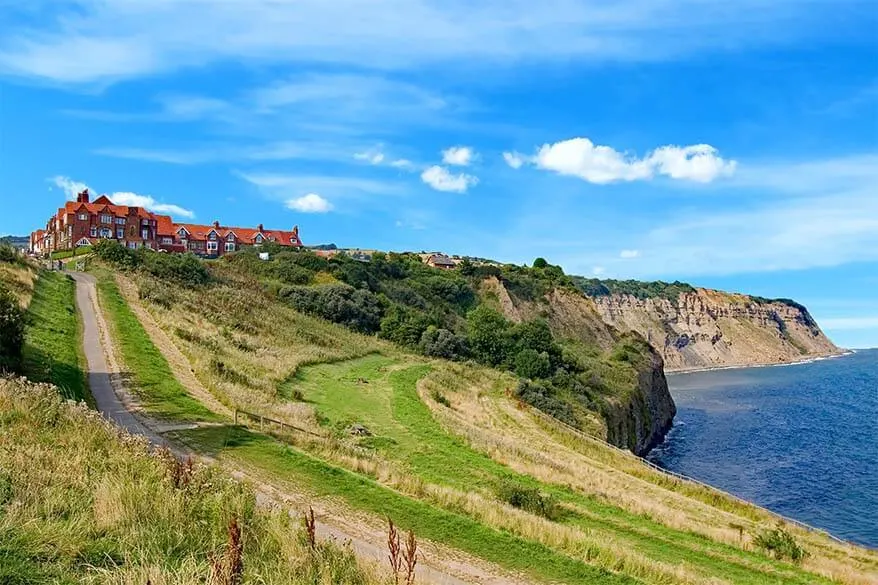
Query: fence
(239,414)
(679,476)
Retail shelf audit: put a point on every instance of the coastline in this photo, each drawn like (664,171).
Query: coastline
(797,362)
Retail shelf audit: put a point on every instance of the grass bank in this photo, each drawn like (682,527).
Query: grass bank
(81,505)
(147,372)
(53,347)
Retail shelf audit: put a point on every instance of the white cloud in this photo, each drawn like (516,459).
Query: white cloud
(100,41)
(580,157)
(310,203)
(699,162)
(372,156)
(458,155)
(629,254)
(441,179)
(514,159)
(402,163)
(71,188)
(135,200)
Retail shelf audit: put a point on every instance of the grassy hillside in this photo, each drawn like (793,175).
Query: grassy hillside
(81,504)
(447,448)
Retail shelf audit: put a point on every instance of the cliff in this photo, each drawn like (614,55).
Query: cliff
(708,328)
(635,404)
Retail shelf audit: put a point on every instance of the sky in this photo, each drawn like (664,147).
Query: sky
(732,145)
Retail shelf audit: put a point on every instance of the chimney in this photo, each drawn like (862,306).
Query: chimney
(216,224)
(82,197)
(259,227)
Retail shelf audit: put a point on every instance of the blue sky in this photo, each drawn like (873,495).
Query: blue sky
(731,145)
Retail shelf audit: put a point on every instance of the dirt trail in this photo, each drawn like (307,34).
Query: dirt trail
(437,564)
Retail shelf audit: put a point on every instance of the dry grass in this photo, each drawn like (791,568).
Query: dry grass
(19,277)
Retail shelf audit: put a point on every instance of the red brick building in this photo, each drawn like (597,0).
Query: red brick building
(83,223)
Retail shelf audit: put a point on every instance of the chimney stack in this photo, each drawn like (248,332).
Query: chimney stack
(259,227)
(82,197)
(216,224)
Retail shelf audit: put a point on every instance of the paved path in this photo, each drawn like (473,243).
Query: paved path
(96,341)
(99,372)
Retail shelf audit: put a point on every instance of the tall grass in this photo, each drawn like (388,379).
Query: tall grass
(81,503)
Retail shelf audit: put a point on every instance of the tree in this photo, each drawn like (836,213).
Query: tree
(488,335)
(11,331)
(540,263)
(442,343)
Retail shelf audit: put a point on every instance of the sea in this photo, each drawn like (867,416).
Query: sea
(801,440)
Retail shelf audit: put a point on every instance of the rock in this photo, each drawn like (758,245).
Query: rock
(359,430)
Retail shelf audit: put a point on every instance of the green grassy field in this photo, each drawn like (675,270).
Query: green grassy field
(52,350)
(437,469)
(147,372)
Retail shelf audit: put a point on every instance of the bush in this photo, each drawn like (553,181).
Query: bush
(288,271)
(545,398)
(528,499)
(185,269)
(8,253)
(529,363)
(440,398)
(354,308)
(403,326)
(488,335)
(780,544)
(11,331)
(442,343)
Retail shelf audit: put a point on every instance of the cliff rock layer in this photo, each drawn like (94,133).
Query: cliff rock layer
(709,328)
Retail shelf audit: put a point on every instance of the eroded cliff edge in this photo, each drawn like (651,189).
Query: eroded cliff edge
(708,328)
(639,410)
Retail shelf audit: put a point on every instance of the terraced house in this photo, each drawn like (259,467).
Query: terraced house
(83,223)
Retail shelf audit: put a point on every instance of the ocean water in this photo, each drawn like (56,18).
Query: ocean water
(801,440)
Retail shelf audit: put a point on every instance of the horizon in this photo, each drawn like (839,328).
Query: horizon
(733,148)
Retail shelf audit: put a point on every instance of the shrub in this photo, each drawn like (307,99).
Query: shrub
(403,326)
(528,499)
(11,331)
(488,338)
(780,544)
(8,253)
(440,398)
(288,271)
(530,363)
(545,398)
(442,343)
(356,309)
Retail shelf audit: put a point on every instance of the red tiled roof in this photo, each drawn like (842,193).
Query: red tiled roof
(244,235)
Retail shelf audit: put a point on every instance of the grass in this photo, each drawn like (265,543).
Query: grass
(147,371)
(80,504)
(432,460)
(53,347)
(64,254)
(456,530)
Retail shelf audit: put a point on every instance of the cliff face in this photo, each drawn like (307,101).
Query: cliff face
(639,417)
(708,328)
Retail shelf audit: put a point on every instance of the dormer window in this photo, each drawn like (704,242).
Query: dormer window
(181,232)
(212,236)
(258,238)
(230,237)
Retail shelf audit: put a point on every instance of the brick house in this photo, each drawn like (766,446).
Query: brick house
(83,222)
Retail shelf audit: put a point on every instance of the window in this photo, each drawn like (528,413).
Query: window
(132,245)
(120,233)
(82,216)
(230,237)
(144,222)
(106,233)
(258,238)
(167,240)
(212,236)
(120,221)
(230,246)
(181,232)
(211,246)
(93,232)
(144,233)
(106,218)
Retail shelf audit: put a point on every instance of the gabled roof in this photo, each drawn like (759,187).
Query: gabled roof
(242,234)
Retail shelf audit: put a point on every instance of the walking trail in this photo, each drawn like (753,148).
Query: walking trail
(436,564)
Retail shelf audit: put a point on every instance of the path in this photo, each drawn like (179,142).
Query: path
(102,372)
